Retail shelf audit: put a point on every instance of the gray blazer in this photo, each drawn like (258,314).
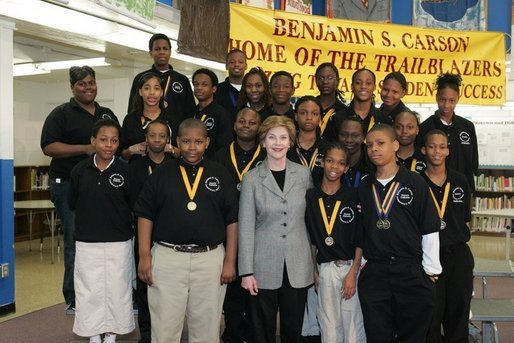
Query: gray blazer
(272,227)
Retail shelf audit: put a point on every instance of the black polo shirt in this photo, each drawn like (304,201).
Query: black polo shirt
(296,153)
(458,208)
(373,113)
(70,124)
(394,112)
(219,128)
(101,201)
(348,221)
(412,215)
(139,170)
(226,95)
(243,157)
(290,113)
(164,198)
(133,130)
(339,112)
(179,96)
(463,144)
(415,163)
(265,112)
(355,173)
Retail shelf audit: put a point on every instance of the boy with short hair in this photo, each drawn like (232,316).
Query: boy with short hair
(214,116)
(401,246)
(188,208)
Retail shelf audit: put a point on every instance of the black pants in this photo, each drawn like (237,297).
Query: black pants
(291,304)
(453,295)
(397,300)
(236,313)
(141,298)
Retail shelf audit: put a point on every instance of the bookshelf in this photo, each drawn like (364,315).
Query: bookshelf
(30,183)
(494,191)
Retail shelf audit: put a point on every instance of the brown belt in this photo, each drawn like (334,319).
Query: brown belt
(193,249)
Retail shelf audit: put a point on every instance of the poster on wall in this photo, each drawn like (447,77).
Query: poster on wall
(297,6)
(266,4)
(463,15)
(139,10)
(495,140)
(364,10)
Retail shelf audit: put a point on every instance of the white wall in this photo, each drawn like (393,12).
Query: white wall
(34,101)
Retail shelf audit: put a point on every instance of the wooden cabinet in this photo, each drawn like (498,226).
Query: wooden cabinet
(494,191)
(30,183)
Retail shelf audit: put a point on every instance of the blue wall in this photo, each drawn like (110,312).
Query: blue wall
(6,232)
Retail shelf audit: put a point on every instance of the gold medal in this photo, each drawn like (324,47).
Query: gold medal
(380,224)
(443,225)
(329,241)
(384,207)
(191,206)
(239,186)
(386,223)
(329,226)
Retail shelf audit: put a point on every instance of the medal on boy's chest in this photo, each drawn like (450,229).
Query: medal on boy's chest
(245,169)
(383,208)
(441,209)
(329,226)
(191,191)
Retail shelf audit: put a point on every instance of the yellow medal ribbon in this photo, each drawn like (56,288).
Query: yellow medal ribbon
(167,85)
(441,209)
(149,170)
(323,123)
(384,208)
(234,162)
(203,117)
(413,164)
(191,191)
(309,164)
(371,123)
(329,226)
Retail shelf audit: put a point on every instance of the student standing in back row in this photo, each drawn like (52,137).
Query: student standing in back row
(282,89)
(66,137)
(228,91)
(462,138)
(451,195)
(393,90)
(178,95)
(401,246)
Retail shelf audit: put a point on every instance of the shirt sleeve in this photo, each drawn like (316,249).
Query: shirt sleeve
(74,188)
(430,247)
(53,128)
(146,203)
(247,220)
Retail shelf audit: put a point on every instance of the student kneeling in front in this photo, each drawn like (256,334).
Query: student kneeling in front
(189,208)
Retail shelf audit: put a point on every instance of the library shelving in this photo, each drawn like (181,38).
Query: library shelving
(494,190)
(30,183)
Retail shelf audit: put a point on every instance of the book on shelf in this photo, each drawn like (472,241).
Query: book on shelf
(490,224)
(491,183)
(39,180)
(490,203)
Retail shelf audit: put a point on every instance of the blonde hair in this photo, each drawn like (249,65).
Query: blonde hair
(278,121)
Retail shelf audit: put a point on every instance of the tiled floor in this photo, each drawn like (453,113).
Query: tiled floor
(38,282)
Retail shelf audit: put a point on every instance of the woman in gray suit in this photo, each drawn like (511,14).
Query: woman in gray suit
(274,248)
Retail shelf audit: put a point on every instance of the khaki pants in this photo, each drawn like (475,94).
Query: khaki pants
(339,320)
(186,285)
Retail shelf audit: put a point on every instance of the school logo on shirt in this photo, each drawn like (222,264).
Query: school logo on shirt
(458,194)
(116,180)
(209,123)
(106,116)
(404,196)
(464,137)
(177,87)
(212,183)
(346,215)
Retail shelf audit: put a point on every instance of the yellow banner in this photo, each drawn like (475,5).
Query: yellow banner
(298,43)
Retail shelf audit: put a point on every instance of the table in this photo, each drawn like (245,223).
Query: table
(34,206)
(492,268)
(500,213)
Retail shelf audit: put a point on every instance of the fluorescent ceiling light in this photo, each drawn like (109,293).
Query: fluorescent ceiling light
(46,67)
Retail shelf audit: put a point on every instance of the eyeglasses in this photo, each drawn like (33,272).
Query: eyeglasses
(83,84)
(326,78)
